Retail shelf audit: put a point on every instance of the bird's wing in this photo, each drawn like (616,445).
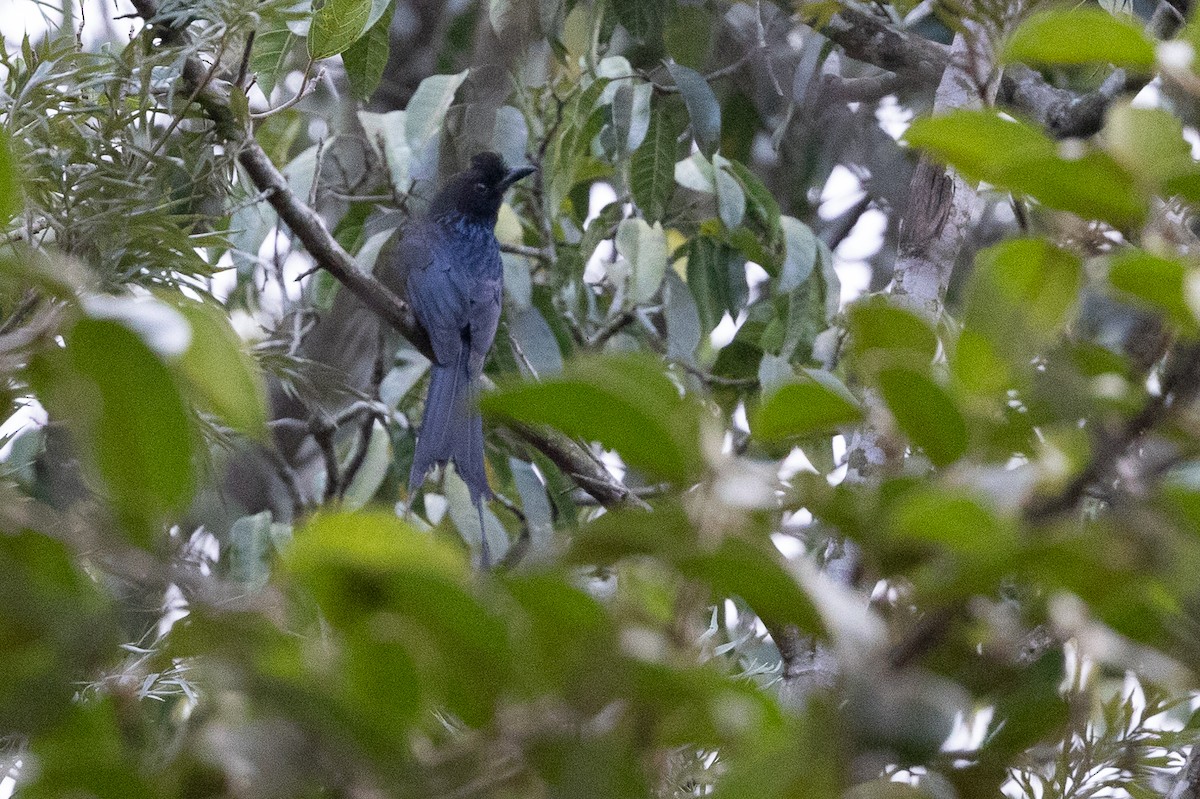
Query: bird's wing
(485,318)
(437,300)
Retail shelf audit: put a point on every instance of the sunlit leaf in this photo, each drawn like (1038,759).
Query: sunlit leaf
(336,25)
(925,412)
(365,59)
(1080,35)
(818,404)
(624,402)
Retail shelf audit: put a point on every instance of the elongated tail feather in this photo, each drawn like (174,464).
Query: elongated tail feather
(452,430)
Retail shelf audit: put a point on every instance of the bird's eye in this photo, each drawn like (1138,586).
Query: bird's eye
(480,188)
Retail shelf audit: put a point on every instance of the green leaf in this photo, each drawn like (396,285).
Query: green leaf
(271,50)
(877,325)
(631,115)
(738,568)
(645,248)
(336,25)
(248,554)
(1023,290)
(1148,142)
(985,146)
(819,404)
(1159,283)
(642,18)
(696,173)
(56,627)
(652,169)
(125,409)
(1080,35)
(365,59)
(11,200)
(702,106)
(762,202)
(624,402)
(716,274)
(731,200)
(426,111)
(925,412)
(219,370)
(954,520)
(666,532)
(800,253)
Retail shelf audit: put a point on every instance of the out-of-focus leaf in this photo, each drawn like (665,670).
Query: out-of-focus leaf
(985,146)
(465,516)
(11,200)
(665,533)
(365,59)
(817,404)
(954,520)
(1022,290)
(1148,142)
(877,325)
(55,628)
(125,408)
(702,106)
(925,412)
(731,200)
(375,576)
(510,136)
(88,754)
(773,771)
(1156,282)
(336,25)
(248,555)
(624,402)
(535,504)
(652,169)
(800,256)
(645,248)
(1080,35)
(221,372)
(738,568)
(369,477)
(426,111)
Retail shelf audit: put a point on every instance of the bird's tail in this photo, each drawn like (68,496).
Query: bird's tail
(451,429)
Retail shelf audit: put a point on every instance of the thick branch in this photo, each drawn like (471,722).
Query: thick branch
(310,229)
(868,38)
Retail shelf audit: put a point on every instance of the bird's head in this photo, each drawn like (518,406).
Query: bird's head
(478,190)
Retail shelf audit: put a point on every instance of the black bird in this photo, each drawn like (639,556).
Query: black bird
(454,282)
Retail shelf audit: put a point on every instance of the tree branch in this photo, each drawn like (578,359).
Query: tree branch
(868,38)
(310,229)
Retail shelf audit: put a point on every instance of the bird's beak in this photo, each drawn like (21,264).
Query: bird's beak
(516,174)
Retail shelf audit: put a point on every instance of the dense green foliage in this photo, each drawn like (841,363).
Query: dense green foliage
(980,576)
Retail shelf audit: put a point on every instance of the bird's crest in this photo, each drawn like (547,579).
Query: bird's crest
(489,166)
